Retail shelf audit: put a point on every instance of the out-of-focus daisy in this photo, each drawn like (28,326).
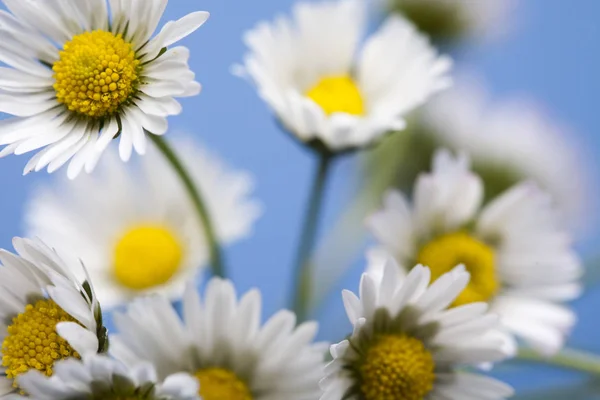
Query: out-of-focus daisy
(46,313)
(223,344)
(520,259)
(509,141)
(80,75)
(407,345)
(327,90)
(136,229)
(446,20)
(100,377)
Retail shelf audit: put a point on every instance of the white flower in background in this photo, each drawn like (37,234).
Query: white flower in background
(454,19)
(100,377)
(222,343)
(513,139)
(136,230)
(407,345)
(520,260)
(79,75)
(327,90)
(42,302)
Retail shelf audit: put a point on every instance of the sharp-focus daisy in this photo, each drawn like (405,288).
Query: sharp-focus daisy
(519,258)
(454,19)
(509,141)
(98,377)
(46,313)
(136,230)
(407,345)
(223,344)
(80,75)
(328,91)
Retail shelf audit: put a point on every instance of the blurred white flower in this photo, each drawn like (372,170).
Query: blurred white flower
(456,19)
(81,73)
(222,343)
(407,344)
(513,139)
(136,229)
(44,303)
(520,259)
(327,90)
(100,377)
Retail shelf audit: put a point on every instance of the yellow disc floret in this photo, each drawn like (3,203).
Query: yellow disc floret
(147,256)
(96,73)
(444,253)
(32,341)
(220,384)
(337,94)
(396,367)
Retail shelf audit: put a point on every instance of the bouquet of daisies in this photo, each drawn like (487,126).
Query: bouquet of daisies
(122,290)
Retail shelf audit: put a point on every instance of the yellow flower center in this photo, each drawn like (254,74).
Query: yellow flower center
(337,94)
(147,256)
(220,384)
(396,367)
(96,73)
(32,341)
(444,253)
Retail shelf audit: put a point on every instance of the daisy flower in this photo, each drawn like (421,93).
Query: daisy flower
(135,228)
(222,343)
(521,261)
(100,377)
(327,89)
(42,302)
(407,345)
(512,140)
(79,76)
(454,19)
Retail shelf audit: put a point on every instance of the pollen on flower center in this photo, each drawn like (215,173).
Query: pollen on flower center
(219,383)
(337,94)
(32,341)
(444,253)
(147,256)
(96,73)
(396,367)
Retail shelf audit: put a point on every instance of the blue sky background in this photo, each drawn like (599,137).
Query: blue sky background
(553,55)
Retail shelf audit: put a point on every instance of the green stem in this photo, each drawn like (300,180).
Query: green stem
(302,289)
(216,259)
(570,359)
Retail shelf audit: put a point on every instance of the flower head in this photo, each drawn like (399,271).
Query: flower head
(406,344)
(520,259)
(135,229)
(99,377)
(47,314)
(223,344)
(79,76)
(308,71)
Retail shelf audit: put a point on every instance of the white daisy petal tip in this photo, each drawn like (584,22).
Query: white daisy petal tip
(81,339)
